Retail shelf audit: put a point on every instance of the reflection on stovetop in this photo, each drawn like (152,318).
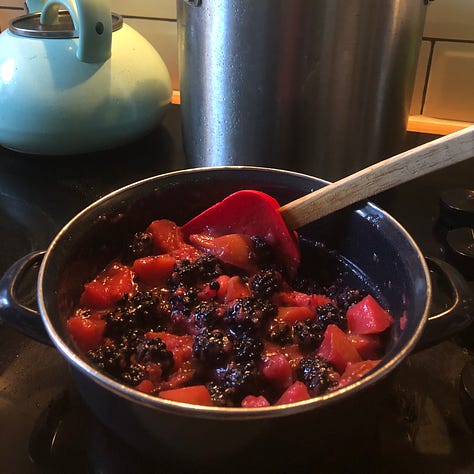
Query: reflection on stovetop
(24,227)
(427,420)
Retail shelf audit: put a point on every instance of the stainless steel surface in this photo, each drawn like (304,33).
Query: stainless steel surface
(322,86)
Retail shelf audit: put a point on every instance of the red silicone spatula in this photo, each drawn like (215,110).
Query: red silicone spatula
(252,213)
(255,213)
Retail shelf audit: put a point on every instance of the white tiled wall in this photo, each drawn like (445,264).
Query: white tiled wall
(451,19)
(450,92)
(146,8)
(444,86)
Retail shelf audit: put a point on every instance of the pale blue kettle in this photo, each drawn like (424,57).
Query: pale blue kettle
(74,78)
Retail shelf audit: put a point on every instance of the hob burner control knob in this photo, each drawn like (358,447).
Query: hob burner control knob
(456,227)
(457,207)
(460,250)
(467,392)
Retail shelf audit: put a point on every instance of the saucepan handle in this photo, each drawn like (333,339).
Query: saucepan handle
(18,297)
(458,315)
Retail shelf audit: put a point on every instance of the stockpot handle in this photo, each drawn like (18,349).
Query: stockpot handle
(92,19)
(458,316)
(18,298)
(193,3)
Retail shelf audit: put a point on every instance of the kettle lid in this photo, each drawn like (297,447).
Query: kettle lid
(30,25)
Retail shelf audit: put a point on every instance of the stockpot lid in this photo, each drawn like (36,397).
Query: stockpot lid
(31,26)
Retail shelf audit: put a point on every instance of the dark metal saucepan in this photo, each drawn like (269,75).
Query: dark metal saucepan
(365,235)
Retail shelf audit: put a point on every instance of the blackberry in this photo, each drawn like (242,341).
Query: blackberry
(212,348)
(140,310)
(131,339)
(134,375)
(163,307)
(247,348)
(280,333)
(208,267)
(308,334)
(145,304)
(264,283)
(347,297)
(238,380)
(317,374)
(155,351)
(264,253)
(184,273)
(250,313)
(329,314)
(140,246)
(119,321)
(207,315)
(110,358)
(183,300)
(332,291)
(203,269)
(219,395)
(307,285)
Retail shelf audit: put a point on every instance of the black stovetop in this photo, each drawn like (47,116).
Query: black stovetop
(45,426)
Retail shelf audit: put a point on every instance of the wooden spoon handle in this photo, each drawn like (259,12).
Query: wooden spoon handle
(424,159)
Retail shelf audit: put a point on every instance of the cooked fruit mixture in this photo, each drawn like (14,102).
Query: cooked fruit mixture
(218,321)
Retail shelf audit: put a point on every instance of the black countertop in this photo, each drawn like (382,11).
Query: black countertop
(426,430)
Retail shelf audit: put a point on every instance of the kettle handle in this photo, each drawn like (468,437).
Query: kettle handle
(92,19)
(33,6)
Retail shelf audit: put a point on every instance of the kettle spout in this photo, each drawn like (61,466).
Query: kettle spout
(34,6)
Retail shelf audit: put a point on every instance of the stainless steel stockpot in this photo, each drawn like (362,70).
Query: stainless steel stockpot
(319,86)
